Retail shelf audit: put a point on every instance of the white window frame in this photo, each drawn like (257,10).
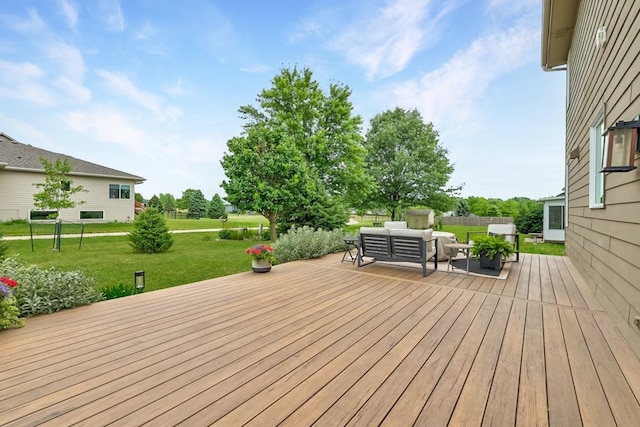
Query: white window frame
(596,178)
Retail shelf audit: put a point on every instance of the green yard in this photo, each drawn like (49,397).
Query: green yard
(193,257)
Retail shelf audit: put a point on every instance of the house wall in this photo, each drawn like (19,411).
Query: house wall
(605,243)
(17,190)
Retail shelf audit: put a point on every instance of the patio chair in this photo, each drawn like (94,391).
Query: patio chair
(509,231)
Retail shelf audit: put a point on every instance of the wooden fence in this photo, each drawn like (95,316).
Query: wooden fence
(480,221)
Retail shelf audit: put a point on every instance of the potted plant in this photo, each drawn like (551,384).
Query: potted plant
(262,258)
(491,249)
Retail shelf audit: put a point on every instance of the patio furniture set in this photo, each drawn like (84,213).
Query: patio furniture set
(396,243)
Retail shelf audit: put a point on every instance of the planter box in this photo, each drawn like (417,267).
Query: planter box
(494,263)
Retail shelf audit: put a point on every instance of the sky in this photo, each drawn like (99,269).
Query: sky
(153,87)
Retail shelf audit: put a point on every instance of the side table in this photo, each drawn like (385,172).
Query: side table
(455,248)
(350,243)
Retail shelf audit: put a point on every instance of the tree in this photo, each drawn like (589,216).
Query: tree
(408,164)
(266,173)
(57,190)
(462,209)
(216,207)
(168,202)
(139,197)
(150,233)
(194,202)
(322,127)
(154,202)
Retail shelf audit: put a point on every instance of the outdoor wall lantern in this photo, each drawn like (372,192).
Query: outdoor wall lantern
(620,146)
(138,279)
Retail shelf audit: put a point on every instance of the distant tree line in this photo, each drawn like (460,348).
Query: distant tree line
(526,213)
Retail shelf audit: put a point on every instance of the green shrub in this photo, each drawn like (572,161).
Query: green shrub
(47,291)
(307,243)
(224,234)
(150,233)
(3,247)
(118,290)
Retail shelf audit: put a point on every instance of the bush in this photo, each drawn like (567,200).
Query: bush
(3,247)
(9,312)
(150,233)
(47,291)
(307,243)
(118,290)
(224,234)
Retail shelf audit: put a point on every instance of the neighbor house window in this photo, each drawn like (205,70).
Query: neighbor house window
(556,217)
(119,191)
(596,178)
(42,215)
(91,214)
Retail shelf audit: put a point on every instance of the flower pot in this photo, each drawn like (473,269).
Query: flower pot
(494,263)
(260,265)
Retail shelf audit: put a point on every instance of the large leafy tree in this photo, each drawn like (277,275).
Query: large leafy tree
(266,173)
(409,165)
(322,127)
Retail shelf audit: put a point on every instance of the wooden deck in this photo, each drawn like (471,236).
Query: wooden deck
(332,344)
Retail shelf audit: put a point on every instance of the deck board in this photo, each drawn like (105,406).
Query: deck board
(329,343)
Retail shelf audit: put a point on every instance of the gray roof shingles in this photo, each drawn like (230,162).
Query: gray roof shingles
(17,155)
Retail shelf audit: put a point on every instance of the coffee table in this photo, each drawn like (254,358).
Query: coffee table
(457,247)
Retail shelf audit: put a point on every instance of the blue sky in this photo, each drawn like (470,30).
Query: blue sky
(152,87)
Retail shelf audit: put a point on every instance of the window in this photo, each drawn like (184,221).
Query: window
(596,178)
(118,191)
(91,214)
(42,215)
(556,217)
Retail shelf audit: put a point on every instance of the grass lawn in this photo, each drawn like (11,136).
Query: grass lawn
(21,228)
(193,257)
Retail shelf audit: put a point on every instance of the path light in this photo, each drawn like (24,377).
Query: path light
(138,280)
(620,146)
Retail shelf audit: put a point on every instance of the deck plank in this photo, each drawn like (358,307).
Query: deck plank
(469,409)
(503,398)
(319,341)
(561,395)
(592,400)
(532,398)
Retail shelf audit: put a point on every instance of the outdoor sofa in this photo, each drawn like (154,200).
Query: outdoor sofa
(398,245)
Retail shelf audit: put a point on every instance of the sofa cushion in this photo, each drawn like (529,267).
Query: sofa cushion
(396,224)
(374,230)
(425,234)
(508,230)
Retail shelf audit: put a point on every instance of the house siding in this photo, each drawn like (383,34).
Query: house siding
(17,187)
(604,243)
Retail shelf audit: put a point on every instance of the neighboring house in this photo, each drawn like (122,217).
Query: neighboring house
(109,197)
(554,218)
(598,43)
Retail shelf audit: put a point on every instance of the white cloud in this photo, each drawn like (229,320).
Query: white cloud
(70,12)
(121,85)
(105,123)
(388,41)
(450,94)
(73,91)
(146,32)
(23,81)
(32,23)
(68,58)
(112,15)
(176,89)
